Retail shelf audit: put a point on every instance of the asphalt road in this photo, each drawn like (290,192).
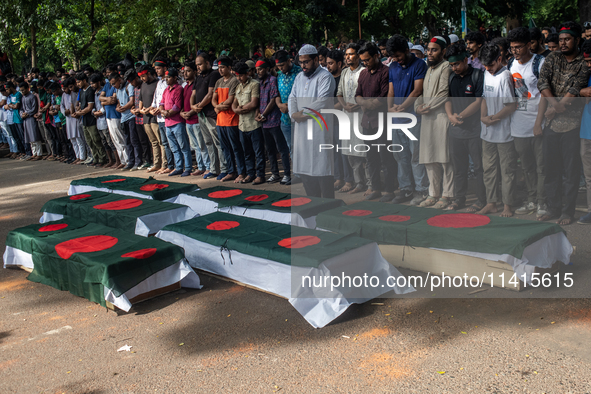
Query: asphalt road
(227,338)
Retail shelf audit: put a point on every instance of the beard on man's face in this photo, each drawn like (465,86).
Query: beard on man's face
(311,70)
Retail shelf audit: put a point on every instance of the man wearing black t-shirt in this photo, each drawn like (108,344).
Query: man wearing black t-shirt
(91,134)
(463,111)
(201,103)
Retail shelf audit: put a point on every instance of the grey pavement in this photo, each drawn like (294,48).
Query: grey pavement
(227,338)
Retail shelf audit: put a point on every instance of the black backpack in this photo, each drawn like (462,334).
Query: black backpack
(535,66)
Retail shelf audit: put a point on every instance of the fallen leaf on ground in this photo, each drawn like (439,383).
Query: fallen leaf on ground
(441,372)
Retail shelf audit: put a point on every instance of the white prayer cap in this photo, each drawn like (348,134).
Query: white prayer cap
(308,50)
(453,38)
(418,48)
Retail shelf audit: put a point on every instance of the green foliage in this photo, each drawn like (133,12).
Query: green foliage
(97,32)
(552,12)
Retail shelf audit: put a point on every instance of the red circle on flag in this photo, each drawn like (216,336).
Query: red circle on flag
(357,212)
(225,193)
(458,220)
(79,197)
(299,242)
(395,218)
(128,203)
(292,202)
(154,186)
(259,197)
(114,180)
(53,227)
(222,225)
(141,254)
(92,243)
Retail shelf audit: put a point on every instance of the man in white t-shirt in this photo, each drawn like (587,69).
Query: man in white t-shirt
(497,143)
(526,128)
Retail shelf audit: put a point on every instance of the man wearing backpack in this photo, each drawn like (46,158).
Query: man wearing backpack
(526,126)
(463,111)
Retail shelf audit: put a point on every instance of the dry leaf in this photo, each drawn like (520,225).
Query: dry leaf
(181,344)
(441,372)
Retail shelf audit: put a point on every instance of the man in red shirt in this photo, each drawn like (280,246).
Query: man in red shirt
(170,108)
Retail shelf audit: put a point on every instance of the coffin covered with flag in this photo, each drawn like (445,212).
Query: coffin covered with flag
(523,244)
(99,263)
(292,262)
(259,204)
(150,188)
(135,215)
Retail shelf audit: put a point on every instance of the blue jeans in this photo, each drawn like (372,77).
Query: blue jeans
(132,143)
(412,176)
(8,135)
(286,129)
(198,145)
(230,140)
(164,140)
(179,146)
(254,152)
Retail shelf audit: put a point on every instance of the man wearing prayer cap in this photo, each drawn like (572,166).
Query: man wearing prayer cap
(313,90)
(418,50)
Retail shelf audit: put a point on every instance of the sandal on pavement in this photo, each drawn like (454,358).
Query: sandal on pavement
(442,203)
(429,202)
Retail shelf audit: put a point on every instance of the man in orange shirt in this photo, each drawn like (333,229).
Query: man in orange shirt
(227,121)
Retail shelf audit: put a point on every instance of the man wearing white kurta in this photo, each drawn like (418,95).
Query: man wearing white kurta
(312,90)
(72,126)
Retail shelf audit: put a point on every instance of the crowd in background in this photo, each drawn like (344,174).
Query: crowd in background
(485,105)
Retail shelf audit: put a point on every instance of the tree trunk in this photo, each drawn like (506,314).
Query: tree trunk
(146,54)
(33,46)
(11,61)
(584,10)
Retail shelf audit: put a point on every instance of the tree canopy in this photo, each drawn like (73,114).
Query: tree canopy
(69,33)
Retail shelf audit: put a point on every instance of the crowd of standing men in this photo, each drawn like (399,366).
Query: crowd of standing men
(482,107)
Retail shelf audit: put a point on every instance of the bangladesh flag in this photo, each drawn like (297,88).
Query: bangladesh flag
(137,215)
(291,262)
(132,186)
(274,241)
(85,258)
(433,228)
(239,201)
